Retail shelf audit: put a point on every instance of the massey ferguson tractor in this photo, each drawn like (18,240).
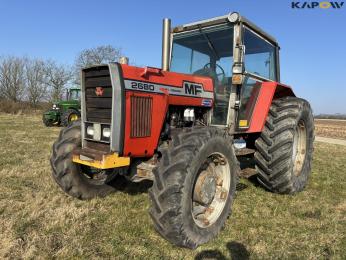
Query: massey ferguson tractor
(185,126)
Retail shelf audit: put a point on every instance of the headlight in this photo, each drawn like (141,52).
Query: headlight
(106,132)
(90,130)
(98,132)
(55,107)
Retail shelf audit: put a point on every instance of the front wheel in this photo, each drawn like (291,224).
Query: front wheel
(194,186)
(79,181)
(284,149)
(50,119)
(47,122)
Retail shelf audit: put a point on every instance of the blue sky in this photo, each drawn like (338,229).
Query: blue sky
(313,56)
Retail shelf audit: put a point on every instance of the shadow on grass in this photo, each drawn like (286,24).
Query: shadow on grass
(236,251)
(253,179)
(132,188)
(241,186)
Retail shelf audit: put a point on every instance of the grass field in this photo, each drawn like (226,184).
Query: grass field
(37,220)
(331,128)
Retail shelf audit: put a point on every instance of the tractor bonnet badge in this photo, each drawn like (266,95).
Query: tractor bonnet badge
(99,91)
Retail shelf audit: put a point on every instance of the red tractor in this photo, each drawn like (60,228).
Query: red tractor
(186,125)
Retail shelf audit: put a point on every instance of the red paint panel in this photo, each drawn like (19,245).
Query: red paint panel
(158,76)
(144,146)
(268,91)
(185,101)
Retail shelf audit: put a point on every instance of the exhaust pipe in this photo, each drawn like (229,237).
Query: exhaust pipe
(124,60)
(166,36)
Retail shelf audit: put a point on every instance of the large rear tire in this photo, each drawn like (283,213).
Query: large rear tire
(285,147)
(194,186)
(69,116)
(78,181)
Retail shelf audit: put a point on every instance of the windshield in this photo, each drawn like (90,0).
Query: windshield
(74,94)
(207,52)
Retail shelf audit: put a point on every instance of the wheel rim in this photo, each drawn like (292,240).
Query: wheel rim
(211,189)
(299,148)
(73,117)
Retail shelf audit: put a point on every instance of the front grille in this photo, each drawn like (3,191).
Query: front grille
(141,111)
(98,108)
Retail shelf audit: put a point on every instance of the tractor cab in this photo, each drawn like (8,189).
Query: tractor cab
(73,94)
(232,51)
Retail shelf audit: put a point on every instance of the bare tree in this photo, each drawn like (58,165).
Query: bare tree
(93,56)
(12,78)
(98,55)
(58,76)
(36,81)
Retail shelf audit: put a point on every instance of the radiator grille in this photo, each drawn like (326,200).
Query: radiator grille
(98,108)
(141,111)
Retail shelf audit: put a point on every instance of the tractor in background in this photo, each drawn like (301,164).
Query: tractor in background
(64,112)
(186,125)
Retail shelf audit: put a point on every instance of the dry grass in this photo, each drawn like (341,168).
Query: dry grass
(37,220)
(331,128)
(22,107)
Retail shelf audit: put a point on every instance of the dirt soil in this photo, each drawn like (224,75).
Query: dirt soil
(331,128)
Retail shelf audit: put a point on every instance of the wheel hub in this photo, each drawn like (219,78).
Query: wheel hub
(73,117)
(205,188)
(211,190)
(299,148)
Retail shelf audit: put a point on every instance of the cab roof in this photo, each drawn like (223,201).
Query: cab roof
(233,17)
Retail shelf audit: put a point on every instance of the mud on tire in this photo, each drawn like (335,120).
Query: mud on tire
(284,149)
(69,175)
(172,193)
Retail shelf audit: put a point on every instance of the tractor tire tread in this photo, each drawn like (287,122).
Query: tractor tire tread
(275,146)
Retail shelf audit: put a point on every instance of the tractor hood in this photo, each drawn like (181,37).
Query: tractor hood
(67,103)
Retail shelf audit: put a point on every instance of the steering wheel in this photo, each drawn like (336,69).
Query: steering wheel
(218,75)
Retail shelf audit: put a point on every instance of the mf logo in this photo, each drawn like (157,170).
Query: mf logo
(192,88)
(313,5)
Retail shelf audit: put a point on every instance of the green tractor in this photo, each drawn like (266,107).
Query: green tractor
(65,111)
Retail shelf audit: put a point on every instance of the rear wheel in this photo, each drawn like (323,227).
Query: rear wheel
(194,186)
(77,180)
(70,115)
(285,147)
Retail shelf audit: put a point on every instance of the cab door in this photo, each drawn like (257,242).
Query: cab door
(260,61)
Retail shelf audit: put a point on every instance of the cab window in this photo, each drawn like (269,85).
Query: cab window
(207,52)
(74,95)
(259,56)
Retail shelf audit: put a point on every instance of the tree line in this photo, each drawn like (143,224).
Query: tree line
(331,116)
(37,80)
